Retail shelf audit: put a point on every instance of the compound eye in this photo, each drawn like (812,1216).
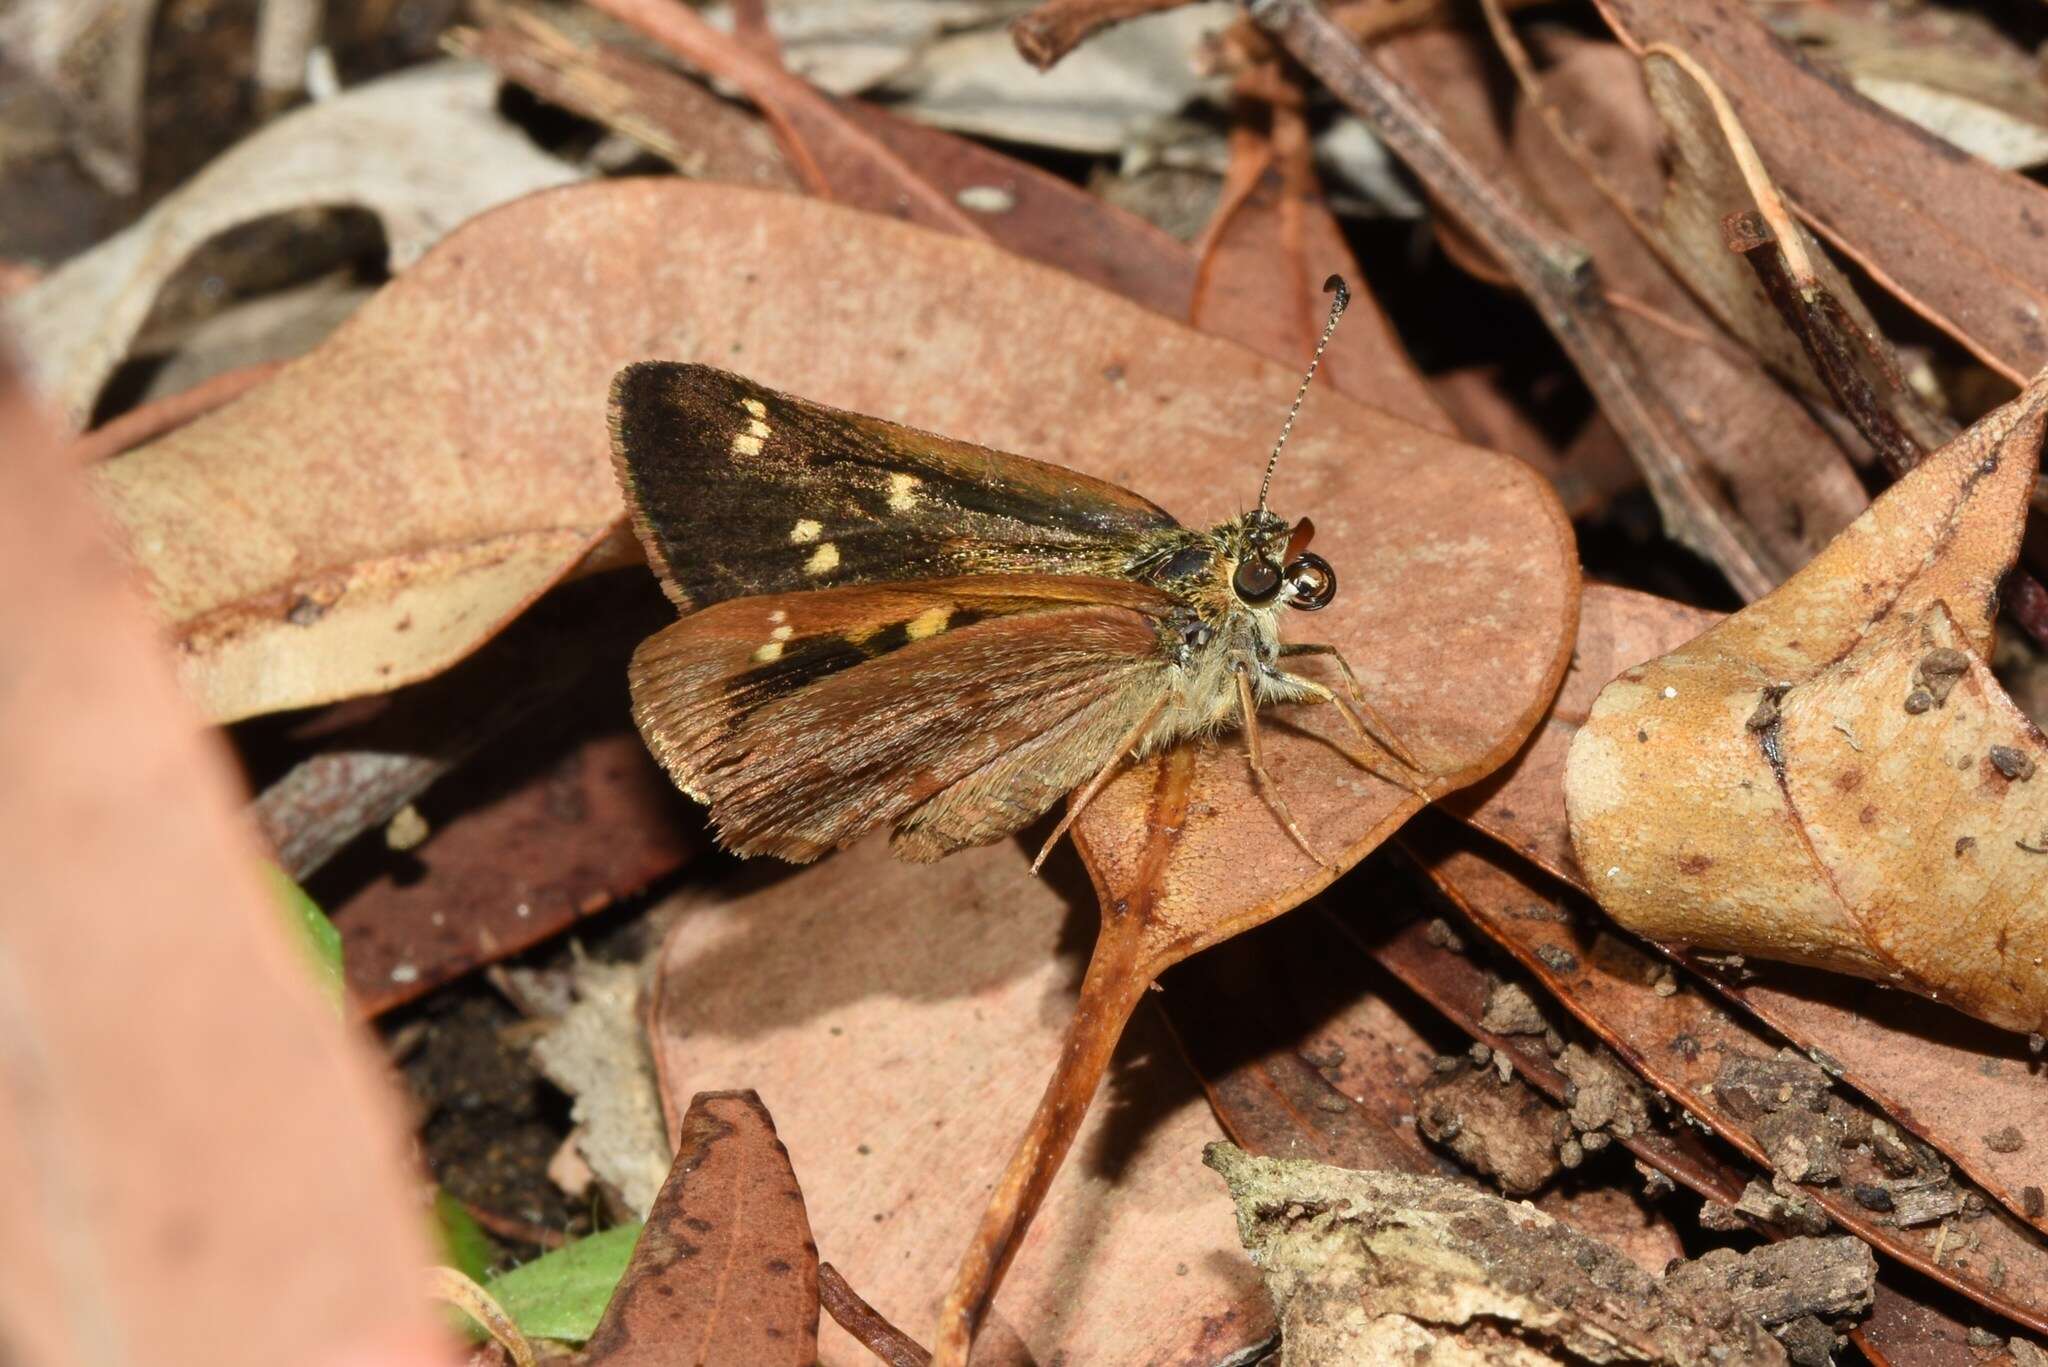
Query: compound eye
(1257,580)
(1313,581)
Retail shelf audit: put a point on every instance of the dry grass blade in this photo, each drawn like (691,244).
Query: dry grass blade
(725,1270)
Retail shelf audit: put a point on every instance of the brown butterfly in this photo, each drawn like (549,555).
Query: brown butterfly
(890,628)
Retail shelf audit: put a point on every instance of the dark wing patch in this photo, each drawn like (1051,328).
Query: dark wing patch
(954,711)
(739,490)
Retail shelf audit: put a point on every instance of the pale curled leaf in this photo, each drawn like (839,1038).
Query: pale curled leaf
(1775,787)
(361,149)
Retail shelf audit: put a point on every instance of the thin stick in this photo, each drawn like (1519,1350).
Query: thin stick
(1335,285)
(1055,28)
(866,1323)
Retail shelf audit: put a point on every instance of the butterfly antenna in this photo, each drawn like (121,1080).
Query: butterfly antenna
(1335,286)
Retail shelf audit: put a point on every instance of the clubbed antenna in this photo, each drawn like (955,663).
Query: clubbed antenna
(1334,285)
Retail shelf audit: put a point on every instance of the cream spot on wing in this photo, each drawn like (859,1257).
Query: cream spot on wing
(746,444)
(930,622)
(760,429)
(777,616)
(755,408)
(823,560)
(781,633)
(804,532)
(768,653)
(903,492)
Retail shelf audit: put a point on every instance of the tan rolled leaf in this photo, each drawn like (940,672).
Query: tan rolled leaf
(1832,776)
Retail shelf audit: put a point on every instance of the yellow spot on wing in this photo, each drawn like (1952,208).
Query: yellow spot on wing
(781,633)
(804,531)
(755,408)
(902,492)
(746,444)
(768,653)
(823,560)
(930,622)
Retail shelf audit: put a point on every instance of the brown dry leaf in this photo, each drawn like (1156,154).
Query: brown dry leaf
(167,1051)
(1822,1145)
(1427,94)
(1955,73)
(1786,476)
(520,847)
(1966,246)
(1272,225)
(1675,163)
(1522,803)
(481,374)
(835,158)
(868,158)
(1170,842)
(702,136)
(1789,784)
(1903,1053)
(899,1019)
(725,1270)
(360,149)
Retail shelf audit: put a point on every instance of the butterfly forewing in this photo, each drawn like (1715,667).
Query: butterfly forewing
(953,711)
(736,489)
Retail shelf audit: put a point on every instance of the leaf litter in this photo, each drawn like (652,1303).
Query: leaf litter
(1475,1106)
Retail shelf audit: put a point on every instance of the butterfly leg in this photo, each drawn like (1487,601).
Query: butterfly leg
(1079,801)
(1267,788)
(1379,733)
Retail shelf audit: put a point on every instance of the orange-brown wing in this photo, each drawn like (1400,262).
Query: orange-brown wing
(737,489)
(954,711)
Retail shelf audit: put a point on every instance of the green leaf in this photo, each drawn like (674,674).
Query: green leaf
(468,1249)
(562,1294)
(312,929)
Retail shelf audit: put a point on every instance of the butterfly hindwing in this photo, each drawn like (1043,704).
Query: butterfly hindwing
(737,490)
(952,711)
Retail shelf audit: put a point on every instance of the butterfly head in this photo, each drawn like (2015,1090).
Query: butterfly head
(1273,564)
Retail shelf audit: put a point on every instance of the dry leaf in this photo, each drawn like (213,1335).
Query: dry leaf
(481,373)
(1786,477)
(899,1019)
(168,1053)
(1272,222)
(725,1270)
(94,55)
(1522,804)
(512,861)
(1965,248)
(361,149)
(1832,776)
